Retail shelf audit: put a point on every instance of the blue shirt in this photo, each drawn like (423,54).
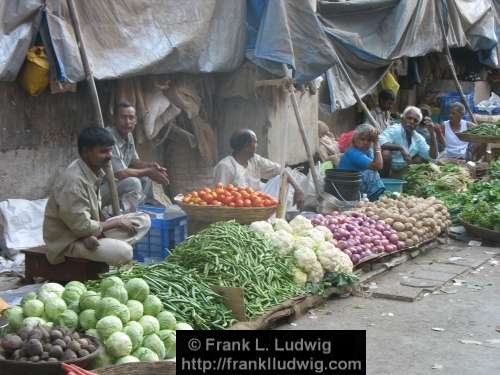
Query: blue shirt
(355,160)
(396,134)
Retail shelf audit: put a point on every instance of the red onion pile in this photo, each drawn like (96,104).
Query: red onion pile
(359,236)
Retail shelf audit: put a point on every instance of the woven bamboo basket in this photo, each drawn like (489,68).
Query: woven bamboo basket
(213,214)
(485,234)
(467,137)
(139,368)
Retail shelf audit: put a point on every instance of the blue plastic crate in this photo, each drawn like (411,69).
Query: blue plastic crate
(164,234)
(155,244)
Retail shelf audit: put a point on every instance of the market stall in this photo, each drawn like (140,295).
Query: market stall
(243,270)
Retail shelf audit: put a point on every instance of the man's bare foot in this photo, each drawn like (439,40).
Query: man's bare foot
(91,242)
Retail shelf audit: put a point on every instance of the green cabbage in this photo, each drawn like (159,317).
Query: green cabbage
(89,299)
(118,344)
(117,291)
(102,359)
(183,327)
(146,355)
(166,320)
(108,325)
(44,295)
(127,359)
(14,316)
(149,324)
(69,319)
(107,306)
(154,343)
(123,313)
(137,289)
(32,322)
(54,307)
(108,282)
(87,319)
(72,295)
(169,339)
(74,306)
(56,288)
(76,285)
(92,332)
(152,305)
(27,297)
(135,332)
(33,307)
(136,309)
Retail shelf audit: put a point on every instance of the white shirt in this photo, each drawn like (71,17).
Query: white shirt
(229,171)
(455,148)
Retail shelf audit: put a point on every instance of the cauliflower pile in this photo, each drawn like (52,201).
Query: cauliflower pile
(310,246)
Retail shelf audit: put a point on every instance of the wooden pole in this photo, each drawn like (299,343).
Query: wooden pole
(449,60)
(302,132)
(281,209)
(95,100)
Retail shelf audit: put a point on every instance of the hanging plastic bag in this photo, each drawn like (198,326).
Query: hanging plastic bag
(34,75)
(390,83)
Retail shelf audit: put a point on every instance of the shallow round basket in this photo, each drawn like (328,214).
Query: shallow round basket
(467,137)
(8,367)
(139,368)
(485,234)
(213,214)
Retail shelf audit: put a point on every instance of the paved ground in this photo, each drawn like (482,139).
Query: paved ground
(448,329)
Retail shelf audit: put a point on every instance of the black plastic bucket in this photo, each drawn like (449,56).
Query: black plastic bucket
(343,184)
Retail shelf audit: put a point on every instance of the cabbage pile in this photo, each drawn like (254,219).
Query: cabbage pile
(128,320)
(311,247)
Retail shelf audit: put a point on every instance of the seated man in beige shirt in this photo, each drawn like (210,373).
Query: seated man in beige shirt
(73,224)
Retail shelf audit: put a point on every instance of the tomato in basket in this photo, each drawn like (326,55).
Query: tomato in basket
(229,196)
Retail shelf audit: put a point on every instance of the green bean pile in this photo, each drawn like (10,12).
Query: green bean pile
(233,255)
(182,293)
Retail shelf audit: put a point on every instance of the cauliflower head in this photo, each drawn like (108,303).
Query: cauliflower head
(303,242)
(282,241)
(326,232)
(316,273)
(305,258)
(281,224)
(332,259)
(300,224)
(299,276)
(262,227)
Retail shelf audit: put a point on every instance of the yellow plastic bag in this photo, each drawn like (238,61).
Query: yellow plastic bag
(390,83)
(34,75)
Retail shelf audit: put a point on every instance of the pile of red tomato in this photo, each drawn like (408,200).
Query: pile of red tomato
(229,196)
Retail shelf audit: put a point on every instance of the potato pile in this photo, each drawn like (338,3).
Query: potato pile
(415,219)
(45,344)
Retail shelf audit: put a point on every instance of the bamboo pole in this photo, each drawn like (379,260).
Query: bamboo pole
(95,100)
(449,60)
(281,209)
(302,132)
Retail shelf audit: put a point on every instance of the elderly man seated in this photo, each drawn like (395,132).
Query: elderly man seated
(403,145)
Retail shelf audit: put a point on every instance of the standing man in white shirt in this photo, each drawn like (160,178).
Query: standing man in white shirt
(244,167)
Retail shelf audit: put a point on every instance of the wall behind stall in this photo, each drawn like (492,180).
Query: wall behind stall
(264,110)
(37,138)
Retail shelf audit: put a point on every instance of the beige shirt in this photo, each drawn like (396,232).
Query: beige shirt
(229,171)
(72,211)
